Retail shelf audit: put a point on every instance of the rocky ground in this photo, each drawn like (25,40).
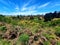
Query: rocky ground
(11,34)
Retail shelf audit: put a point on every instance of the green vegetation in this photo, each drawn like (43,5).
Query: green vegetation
(47,43)
(57,32)
(24,38)
(3,28)
(58,43)
(23,30)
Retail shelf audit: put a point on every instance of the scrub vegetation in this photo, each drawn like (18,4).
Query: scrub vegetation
(30,30)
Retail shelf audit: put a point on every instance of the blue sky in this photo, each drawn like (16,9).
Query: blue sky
(16,7)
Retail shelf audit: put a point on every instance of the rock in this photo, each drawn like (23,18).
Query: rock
(43,38)
(10,35)
(35,38)
(40,43)
(31,40)
(53,41)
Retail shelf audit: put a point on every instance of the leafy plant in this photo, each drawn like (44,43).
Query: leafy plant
(58,43)
(24,38)
(47,43)
(57,31)
(4,42)
(46,35)
(3,28)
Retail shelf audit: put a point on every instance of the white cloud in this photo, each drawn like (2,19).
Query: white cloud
(17,8)
(33,7)
(23,13)
(18,13)
(7,3)
(27,12)
(27,3)
(44,5)
(12,13)
(57,4)
(24,7)
(2,1)
(30,8)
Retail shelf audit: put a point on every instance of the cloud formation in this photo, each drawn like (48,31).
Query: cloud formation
(44,5)
(17,8)
(33,8)
(26,6)
(58,4)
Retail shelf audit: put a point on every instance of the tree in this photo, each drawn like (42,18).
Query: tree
(55,14)
(58,14)
(31,17)
(48,17)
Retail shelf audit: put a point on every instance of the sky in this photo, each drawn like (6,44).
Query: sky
(28,7)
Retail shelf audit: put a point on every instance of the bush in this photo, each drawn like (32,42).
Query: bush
(47,36)
(48,17)
(24,38)
(57,31)
(3,28)
(56,22)
(4,42)
(58,43)
(47,43)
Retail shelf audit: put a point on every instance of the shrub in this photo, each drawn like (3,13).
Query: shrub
(46,35)
(58,43)
(47,43)
(56,22)
(48,17)
(24,38)
(4,42)
(57,31)
(3,28)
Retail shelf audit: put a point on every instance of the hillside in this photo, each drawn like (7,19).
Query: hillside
(29,30)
